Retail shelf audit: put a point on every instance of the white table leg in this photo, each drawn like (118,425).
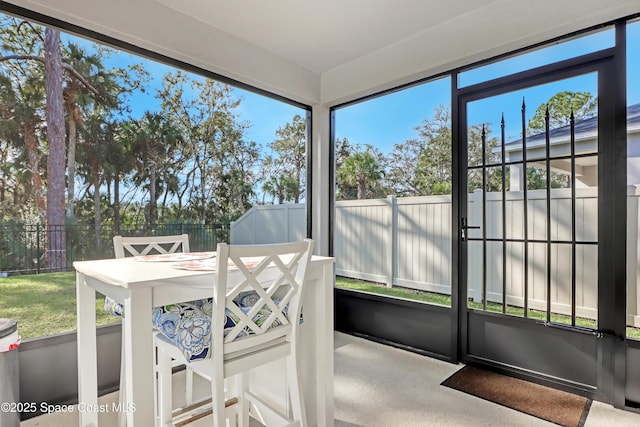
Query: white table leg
(87,353)
(324,346)
(139,364)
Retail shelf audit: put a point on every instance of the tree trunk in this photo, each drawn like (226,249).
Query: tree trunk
(116,203)
(95,167)
(297,191)
(56,241)
(203,186)
(362,188)
(152,194)
(33,166)
(3,181)
(71,166)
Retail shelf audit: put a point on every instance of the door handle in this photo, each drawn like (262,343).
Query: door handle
(464,227)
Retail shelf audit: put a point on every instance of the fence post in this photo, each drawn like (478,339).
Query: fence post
(474,261)
(38,248)
(392,237)
(287,220)
(633,242)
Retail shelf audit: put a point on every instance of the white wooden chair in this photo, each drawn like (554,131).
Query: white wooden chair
(136,246)
(139,246)
(255,320)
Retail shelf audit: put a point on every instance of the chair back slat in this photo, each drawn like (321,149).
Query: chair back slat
(138,246)
(258,294)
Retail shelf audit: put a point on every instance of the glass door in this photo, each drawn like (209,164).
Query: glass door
(530,239)
(532,219)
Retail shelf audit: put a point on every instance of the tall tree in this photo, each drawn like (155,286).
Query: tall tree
(155,139)
(422,166)
(24,43)
(119,161)
(561,105)
(56,242)
(362,170)
(24,107)
(289,149)
(560,108)
(96,85)
(100,151)
(493,178)
(25,110)
(343,190)
(216,162)
(281,187)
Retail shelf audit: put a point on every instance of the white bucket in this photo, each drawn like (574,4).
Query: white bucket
(9,338)
(10,342)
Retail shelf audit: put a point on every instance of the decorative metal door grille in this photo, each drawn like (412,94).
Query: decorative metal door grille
(541,175)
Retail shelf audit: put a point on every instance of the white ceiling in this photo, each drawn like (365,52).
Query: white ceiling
(331,51)
(321,35)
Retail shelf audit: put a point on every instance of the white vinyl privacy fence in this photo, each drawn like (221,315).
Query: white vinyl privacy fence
(407,242)
(270,224)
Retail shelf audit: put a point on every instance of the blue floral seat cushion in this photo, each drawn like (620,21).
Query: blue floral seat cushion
(113,307)
(189,316)
(188,324)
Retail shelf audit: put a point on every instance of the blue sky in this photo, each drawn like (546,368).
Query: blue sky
(264,114)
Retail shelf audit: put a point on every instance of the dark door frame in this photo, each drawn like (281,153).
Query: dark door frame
(611,68)
(353,308)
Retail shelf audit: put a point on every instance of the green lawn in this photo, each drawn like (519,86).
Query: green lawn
(377,288)
(433,298)
(44,304)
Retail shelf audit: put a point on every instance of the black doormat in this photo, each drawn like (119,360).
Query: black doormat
(559,407)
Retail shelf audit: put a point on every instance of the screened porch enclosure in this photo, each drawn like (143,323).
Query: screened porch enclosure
(534,238)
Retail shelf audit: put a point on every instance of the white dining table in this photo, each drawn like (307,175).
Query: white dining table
(140,286)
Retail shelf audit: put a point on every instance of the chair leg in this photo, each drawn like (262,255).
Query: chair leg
(165,404)
(122,394)
(189,385)
(242,386)
(232,415)
(218,400)
(295,391)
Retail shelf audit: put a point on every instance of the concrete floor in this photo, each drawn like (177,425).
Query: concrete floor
(377,385)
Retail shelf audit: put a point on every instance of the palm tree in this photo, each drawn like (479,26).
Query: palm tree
(290,147)
(12,153)
(97,86)
(99,143)
(25,106)
(26,44)
(284,187)
(119,160)
(362,170)
(154,139)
